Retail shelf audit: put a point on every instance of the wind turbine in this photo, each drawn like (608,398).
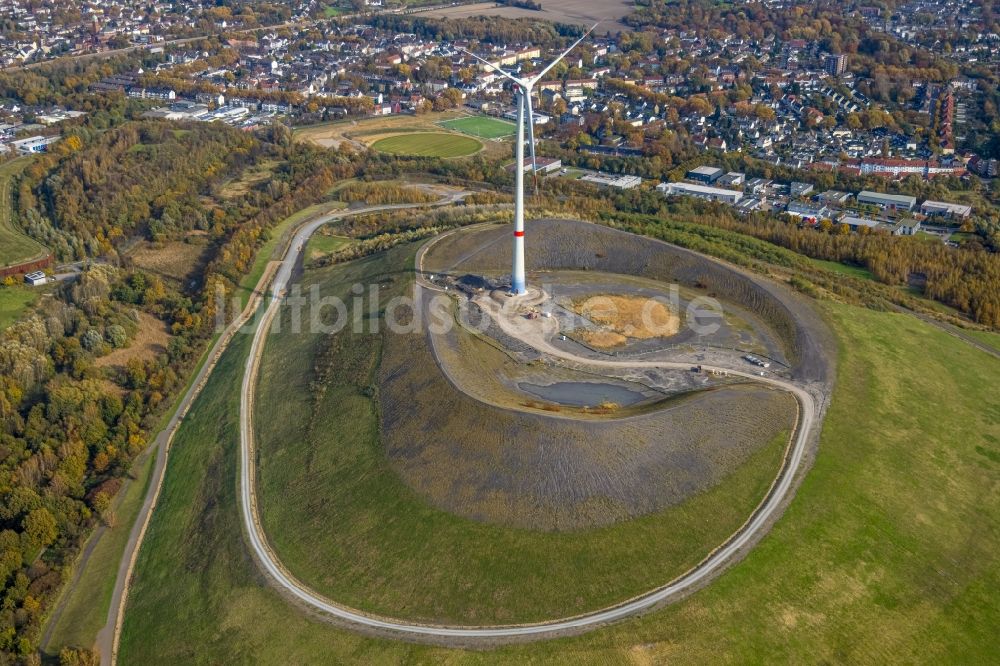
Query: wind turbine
(524,113)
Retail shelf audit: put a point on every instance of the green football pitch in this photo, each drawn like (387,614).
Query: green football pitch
(480,126)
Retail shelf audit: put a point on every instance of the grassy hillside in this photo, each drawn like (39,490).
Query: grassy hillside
(13,301)
(15,247)
(887,554)
(88,600)
(323,462)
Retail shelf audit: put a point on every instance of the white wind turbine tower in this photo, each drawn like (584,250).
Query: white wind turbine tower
(524,113)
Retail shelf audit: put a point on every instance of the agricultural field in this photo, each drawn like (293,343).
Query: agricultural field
(482,127)
(428,144)
(865,565)
(15,247)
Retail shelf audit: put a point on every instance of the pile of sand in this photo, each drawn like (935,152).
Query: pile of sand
(621,317)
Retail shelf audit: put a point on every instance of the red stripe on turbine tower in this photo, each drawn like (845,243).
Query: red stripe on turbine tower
(519,234)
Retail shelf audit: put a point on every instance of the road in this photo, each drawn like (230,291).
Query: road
(109,637)
(714,563)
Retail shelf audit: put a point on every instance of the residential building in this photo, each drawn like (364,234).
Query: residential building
(835,64)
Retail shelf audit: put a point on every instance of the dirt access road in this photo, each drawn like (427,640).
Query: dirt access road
(277,274)
(806,434)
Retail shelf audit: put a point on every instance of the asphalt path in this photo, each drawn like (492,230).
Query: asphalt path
(714,563)
(109,637)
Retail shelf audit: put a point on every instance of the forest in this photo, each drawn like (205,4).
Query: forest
(144,178)
(71,425)
(965,279)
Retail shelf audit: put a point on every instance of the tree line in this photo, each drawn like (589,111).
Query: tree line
(70,425)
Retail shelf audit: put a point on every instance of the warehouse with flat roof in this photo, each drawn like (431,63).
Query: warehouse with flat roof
(945,209)
(705,174)
(890,201)
(609,180)
(700,191)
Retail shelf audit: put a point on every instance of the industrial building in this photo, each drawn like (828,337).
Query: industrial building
(797,189)
(809,212)
(542,165)
(834,197)
(700,191)
(906,228)
(704,174)
(34,144)
(856,223)
(617,182)
(35,278)
(888,201)
(731,179)
(945,209)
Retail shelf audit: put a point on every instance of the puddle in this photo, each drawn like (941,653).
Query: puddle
(583,394)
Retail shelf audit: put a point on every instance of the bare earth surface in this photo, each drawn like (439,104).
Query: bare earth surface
(540,471)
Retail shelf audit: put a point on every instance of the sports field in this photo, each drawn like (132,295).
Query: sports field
(480,126)
(428,144)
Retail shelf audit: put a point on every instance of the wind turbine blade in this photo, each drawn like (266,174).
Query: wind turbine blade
(565,53)
(494,67)
(531,138)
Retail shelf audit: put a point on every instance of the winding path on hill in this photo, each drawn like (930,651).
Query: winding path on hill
(724,555)
(278,275)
